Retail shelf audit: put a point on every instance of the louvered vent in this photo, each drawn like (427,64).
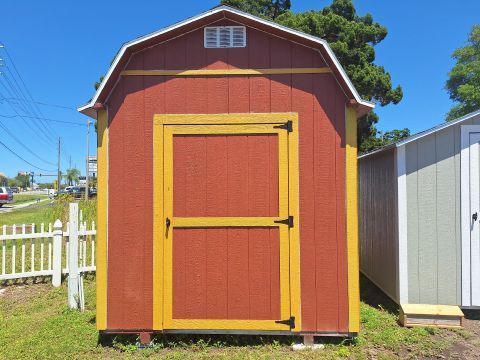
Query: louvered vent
(225,37)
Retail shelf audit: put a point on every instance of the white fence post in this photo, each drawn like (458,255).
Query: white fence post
(73,295)
(57,254)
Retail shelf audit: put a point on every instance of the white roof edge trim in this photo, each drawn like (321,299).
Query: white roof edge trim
(423,133)
(437,128)
(125,46)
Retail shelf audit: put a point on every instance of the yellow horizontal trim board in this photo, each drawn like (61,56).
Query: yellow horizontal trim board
(225,221)
(221,72)
(219,119)
(226,325)
(426,309)
(225,129)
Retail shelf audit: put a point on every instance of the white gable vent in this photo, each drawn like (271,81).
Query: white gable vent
(225,37)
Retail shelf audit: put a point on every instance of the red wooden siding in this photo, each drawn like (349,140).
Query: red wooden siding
(222,273)
(226,273)
(221,176)
(320,103)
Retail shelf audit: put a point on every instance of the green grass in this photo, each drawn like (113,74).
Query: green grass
(36,324)
(47,212)
(23,198)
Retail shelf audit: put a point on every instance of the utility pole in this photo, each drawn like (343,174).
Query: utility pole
(88,155)
(59,174)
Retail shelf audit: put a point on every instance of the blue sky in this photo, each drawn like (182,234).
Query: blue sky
(60,48)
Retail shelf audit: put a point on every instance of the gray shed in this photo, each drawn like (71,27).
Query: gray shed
(419,201)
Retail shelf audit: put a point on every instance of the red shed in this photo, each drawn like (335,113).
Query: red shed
(227,197)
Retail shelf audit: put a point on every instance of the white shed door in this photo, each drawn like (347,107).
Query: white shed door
(470,215)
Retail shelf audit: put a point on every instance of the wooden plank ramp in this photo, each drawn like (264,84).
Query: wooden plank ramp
(442,316)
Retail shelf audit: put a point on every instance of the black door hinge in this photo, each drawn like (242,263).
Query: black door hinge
(288,221)
(290,322)
(287,126)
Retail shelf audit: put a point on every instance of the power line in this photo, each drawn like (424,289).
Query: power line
(41,103)
(21,158)
(36,124)
(23,145)
(21,79)
(46,119)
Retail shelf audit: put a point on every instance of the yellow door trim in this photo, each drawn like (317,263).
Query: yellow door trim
(226,72)
(163,144)
(352,221)
(158,228)
(102,214)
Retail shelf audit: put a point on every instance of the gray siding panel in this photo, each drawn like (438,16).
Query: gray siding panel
(433,217)
(378,220)
(427,212)
(446,215)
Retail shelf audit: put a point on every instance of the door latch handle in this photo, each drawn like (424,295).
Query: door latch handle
(475,217)
(167,226)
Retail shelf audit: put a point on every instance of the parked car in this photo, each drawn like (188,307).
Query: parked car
(6,196)
(15,189)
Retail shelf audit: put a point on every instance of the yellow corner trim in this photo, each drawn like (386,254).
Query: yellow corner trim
(102,213)
(352,221)
(230,72)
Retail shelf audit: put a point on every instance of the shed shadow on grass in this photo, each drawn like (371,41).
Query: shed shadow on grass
(373,296)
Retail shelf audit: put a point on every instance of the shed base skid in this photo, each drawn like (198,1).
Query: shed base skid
(442,316)
(309,336)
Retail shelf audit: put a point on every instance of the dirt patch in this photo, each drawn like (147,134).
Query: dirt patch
(11,295)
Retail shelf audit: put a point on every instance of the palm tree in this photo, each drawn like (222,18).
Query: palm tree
(72,176)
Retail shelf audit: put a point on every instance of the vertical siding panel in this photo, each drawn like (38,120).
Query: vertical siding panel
(116,255)
(217,87)
(138,270)
(377,212)
(196,274)
(238,86)
(179,275)
(281,85)
(238,271)
(411,155)
(302,102)
(427,225)
(446,213)
(325,213)
(196,94)
(259,58)
(154,102)
(175,87)
(217,239)
(216,273)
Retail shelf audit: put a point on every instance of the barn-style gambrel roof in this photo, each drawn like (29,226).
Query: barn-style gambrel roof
(209,17)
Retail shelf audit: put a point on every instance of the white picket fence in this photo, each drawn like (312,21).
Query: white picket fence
(28,254)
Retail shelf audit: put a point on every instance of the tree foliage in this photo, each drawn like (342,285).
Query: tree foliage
(72,176)
(352,38)
(463,84)
(263,8)
(380,139)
